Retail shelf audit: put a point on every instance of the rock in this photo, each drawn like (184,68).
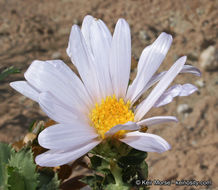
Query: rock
(194,143)
(184,108)
(179,24)
(200,83)
(64,31)
(75,21)
(22,99)
(143,35)
(209,59)
(56,55)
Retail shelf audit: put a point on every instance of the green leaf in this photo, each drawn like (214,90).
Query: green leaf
(15,179)
(134,157)
(45,176)
(47,179)
(143,170)
(133,172)
(117,166)
(129,173)
(114,186)
(95,181)
(31,126)
(48,182)
(109,178)
(5,154)
(95,161)
(54,183)
(88,180)
(23,161)
(8,71)
(102,166)
(18,171)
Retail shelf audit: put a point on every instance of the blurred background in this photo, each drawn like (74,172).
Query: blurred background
(31,29)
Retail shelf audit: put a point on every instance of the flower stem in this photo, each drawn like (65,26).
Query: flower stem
(117,173)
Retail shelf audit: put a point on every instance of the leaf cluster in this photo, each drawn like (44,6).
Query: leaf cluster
(116,166)
(102,175)
(18,171)
(134,166)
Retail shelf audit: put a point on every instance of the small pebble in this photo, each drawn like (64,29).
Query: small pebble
(56,55)
(75,21)
(143,35)
(200,83)
(22,99)
(184,108)
(194,143)
(208,59)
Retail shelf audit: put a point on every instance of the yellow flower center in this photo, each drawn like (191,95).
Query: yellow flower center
(111,112)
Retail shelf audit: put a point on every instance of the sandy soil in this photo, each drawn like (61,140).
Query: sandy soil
(32,30)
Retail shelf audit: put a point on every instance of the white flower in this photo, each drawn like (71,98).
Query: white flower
(101,103)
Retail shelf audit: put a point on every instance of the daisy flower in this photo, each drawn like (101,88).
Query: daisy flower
(100,104)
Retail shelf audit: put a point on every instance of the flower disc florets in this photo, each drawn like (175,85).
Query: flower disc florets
(109,113)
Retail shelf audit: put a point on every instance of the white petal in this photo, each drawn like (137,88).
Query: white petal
(83,59)
(188,89)
(155,78)
(186,69)
(151,82)
(120,58)
(173,91)
(58,110)
(146,142)
(26,89)
(57,78)
(85,29)
(150,60)
(66,136)
(148,103)
(130,126)
(54,158)
(100,40)
(168,95)
(191,69)
(157,120)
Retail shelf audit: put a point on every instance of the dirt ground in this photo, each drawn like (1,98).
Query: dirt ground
(31,29)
